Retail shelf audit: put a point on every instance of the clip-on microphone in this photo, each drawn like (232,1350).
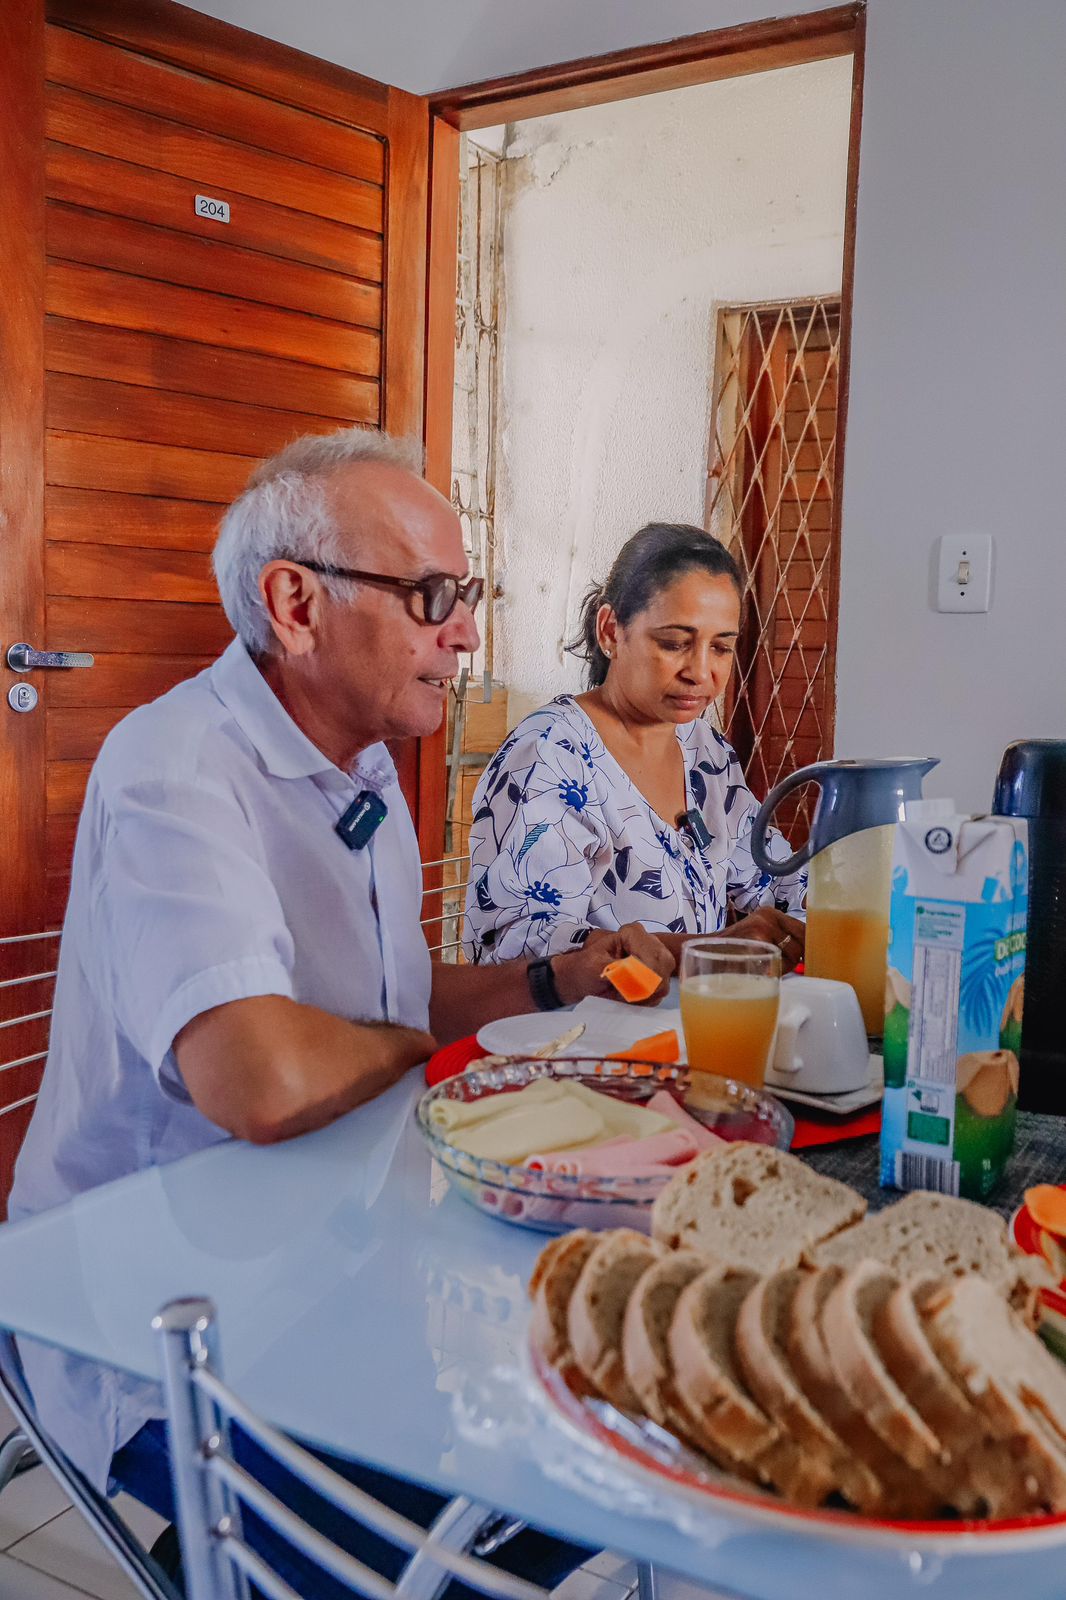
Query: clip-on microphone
(366,813)
(692,823)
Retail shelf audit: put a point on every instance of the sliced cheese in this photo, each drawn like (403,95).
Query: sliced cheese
(523,1130)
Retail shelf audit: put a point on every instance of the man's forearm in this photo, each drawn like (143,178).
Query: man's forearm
(465,998)
(267,1068)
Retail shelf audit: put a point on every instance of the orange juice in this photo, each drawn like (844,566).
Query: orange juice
(729,1020)
(851,946)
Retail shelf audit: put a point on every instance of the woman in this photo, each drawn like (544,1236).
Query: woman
(624,804)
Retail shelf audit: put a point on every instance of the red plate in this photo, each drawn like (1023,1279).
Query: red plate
(762,1508)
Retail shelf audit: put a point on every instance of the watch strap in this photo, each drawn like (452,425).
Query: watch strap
(541,980)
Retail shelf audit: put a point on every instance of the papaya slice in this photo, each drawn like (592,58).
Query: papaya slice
(662,1048)
(1046,1204)
(633,980)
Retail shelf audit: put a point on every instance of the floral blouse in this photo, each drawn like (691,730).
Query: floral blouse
(563,840)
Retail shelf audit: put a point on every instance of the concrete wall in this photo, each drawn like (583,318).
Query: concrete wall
(624,227)
(959,356)
(959,336)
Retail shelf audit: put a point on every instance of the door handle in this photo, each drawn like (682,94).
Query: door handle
(23,658)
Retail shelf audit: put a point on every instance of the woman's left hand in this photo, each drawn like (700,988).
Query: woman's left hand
(580,972)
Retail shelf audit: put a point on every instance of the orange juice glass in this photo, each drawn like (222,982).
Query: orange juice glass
(730,990)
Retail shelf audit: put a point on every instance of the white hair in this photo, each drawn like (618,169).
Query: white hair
(285,511)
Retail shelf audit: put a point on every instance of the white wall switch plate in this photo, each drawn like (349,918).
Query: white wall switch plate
(964,572)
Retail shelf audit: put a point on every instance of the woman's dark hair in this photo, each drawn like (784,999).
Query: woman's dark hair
(646,564)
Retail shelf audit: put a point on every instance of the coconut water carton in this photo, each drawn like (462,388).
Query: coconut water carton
(953,999)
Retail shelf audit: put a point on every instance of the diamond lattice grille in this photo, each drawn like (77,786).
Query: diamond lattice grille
(770,498)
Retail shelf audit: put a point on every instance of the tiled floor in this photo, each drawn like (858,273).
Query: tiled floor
(47,1551)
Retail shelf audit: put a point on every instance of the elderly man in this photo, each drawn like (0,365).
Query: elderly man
(241,953)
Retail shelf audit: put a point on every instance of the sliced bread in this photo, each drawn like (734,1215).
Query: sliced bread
(927,1235)
(1008,1374)
(761,1335)
(729,1420)
(645,1352)
(1002,1483)
(752,1207)
(903,1492)
(551,1285)
(847,1327)
(597,1309)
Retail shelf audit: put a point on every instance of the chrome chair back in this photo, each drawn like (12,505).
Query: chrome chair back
(212,1488)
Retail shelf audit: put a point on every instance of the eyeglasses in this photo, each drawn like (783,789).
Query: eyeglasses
(440,591)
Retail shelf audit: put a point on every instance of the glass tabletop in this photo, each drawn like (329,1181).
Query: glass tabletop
(359,1300)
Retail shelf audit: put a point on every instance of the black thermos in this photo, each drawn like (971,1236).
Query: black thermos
(1032,784)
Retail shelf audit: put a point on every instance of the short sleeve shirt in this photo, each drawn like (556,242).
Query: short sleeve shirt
(206,870)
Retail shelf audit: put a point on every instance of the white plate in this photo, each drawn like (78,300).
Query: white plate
(839,1105)
(610,1025)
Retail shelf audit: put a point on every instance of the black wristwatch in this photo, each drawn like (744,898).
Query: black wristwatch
(541,980)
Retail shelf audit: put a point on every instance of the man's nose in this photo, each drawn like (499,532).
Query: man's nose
(460,632)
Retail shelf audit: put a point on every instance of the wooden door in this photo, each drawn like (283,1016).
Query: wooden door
(150,352)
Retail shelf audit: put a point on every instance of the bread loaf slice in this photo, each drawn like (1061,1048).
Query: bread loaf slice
(902,1492)
(729,1421)
(847,1327)
(752,1207)
(927,1235)
(904,1346)
(645,1330)
(554,1276)
(761,1348)
(598,1306)
(1008,1374)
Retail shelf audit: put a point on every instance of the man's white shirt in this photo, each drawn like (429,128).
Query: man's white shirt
(206,870)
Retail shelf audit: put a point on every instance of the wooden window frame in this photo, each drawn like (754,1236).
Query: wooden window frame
(622,75)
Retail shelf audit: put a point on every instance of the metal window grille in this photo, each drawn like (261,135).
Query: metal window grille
(770,498)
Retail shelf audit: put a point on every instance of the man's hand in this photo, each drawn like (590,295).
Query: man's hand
(580,972)
(268,1068)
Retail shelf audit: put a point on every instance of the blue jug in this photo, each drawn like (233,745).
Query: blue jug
(850,855)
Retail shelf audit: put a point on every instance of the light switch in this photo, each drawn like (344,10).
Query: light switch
(964,572)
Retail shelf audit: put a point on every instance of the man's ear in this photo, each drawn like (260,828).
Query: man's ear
(293,599)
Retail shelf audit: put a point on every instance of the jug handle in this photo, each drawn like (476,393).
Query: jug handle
(799,858)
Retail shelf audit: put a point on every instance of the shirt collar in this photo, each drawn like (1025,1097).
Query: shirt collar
(282,747)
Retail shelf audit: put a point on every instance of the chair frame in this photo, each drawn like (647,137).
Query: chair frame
(101,1516)
(210,1487)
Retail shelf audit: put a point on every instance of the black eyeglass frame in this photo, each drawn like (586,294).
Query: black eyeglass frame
(436,588)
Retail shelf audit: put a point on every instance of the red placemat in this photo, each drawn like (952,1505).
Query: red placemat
(810,1130)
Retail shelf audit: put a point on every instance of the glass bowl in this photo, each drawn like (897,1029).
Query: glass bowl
(555,1203)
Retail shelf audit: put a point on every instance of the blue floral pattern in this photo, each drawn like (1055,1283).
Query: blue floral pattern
(562,841)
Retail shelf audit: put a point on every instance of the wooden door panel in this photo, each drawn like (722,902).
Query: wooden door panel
(126,680)
(123,189)
(125,356)
(81,515)
(149,357)
(128,573)
(134,627)
(86,405)
(133,467)
(75,234)
(120,300)
(112,130)
(74,60)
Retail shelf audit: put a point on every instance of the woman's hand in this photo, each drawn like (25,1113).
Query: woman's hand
(580,972)
(770,926)
(765,924)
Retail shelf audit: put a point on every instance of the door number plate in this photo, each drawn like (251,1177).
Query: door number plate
(22,697)
(214,210)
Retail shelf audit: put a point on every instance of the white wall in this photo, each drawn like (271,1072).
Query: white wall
(624,227)
(959,356)
(959,337)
